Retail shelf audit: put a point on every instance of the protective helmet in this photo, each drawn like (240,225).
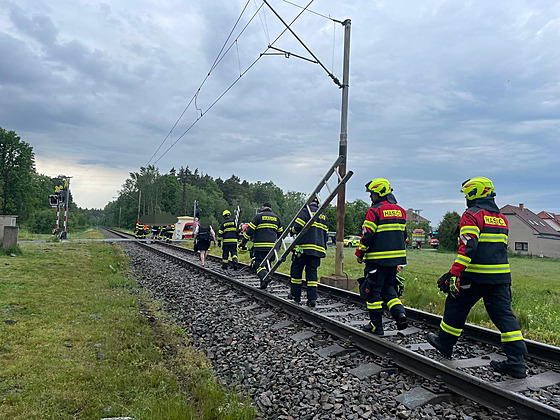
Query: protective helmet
(226,213)
(380,186)
(315,197)
(477,187)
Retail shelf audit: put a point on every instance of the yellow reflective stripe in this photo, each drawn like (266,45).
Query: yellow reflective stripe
(393,302)
(488,268)
(385,254)
(463,260)
(370,225)
(296,281)
(311,283)
(230,229)
(512,336)
(319,225)
(450,330)
(391,226)
(260,269)
(313,247)
(263,244)
(267,226)
(374,305)
(225,261)
(300,222)
(251,225)
(493,237)
(232,240)
(470,229)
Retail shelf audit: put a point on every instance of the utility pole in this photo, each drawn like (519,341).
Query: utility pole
(139,197)
(343,151)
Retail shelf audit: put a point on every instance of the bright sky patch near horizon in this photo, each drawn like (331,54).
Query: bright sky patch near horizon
(440,91)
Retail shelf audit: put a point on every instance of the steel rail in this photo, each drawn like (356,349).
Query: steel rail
(537,350)
(468,386)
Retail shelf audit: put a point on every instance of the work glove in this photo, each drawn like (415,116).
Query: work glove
(449,283)
(359,255)
(219,243)
(242,246)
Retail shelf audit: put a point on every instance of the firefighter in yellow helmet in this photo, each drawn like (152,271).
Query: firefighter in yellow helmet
(382,248)
(227,239)
(481,271)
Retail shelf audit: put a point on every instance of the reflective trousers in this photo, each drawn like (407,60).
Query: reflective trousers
(497,301)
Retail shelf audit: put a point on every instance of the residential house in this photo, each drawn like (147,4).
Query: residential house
(414,216)
(529,234)
(552,219)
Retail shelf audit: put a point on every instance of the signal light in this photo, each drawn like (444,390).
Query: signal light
(53,200)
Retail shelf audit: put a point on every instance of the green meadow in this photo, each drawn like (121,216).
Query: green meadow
(79,340)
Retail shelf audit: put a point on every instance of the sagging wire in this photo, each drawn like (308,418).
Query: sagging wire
(263,23)
(218,59)
(238,59)
(209,108)
(230,86)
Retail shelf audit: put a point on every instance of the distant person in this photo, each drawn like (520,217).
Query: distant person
(155,232)
(481,270)
(382,248)
(309,249)
(263,231)
(203,235)
(227,239)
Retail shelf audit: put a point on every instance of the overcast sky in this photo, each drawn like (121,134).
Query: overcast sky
(440,91)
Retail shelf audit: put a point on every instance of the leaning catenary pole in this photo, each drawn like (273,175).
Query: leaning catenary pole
(343,151)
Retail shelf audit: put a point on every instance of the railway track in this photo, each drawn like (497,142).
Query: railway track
(341,313)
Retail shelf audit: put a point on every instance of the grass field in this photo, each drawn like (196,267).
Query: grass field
(78,340)
(535,288)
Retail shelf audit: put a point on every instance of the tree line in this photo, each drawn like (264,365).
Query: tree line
(24,193)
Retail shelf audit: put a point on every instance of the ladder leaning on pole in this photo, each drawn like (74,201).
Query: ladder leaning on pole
(272,261)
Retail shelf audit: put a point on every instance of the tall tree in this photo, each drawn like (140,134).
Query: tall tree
(17,166)
(448,231)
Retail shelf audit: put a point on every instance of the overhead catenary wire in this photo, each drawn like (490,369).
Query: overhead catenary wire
(231,85)
(331,75)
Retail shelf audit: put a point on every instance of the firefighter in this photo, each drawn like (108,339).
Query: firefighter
(168,233)
(382,248)
(138,230)
(146,231)
(481,270)
(227,234)
(309,249)
(263,231)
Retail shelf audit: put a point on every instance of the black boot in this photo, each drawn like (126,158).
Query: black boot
(402,323)
(514,366)
(369,327)
(434,340)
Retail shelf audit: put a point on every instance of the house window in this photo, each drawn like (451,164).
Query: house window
(522,246)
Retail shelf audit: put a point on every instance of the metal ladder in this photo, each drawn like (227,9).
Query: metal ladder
(272,261)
